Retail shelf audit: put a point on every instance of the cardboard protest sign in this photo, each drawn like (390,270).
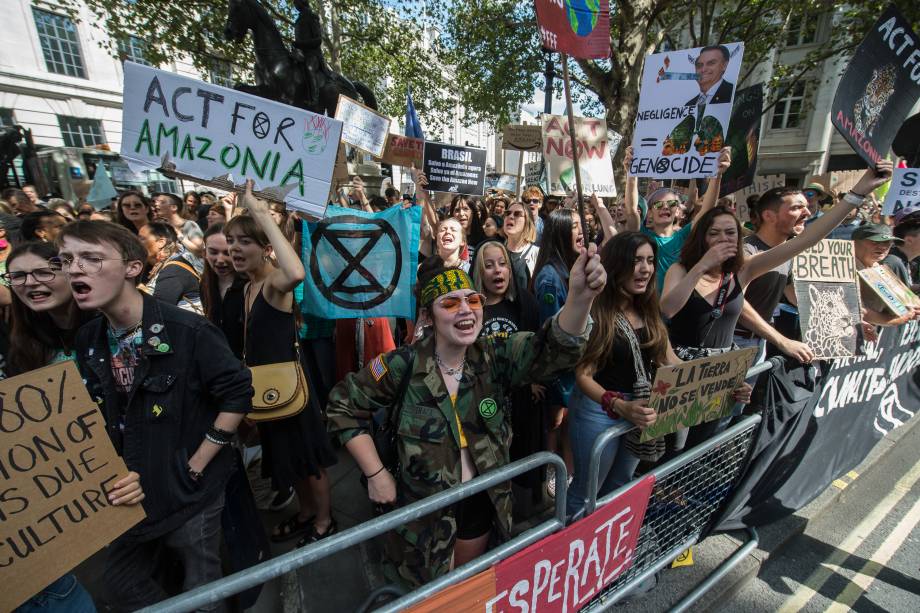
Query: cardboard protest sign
(904,194)
(221,137)
(828,299)
(593,156)
(522,137)
(403,151)
(879,88)
(758,186)
(455,169)
(533,174)
(361,264)
(579,28)
(685,105)
(362,126)
(744,139)
(57,465)
(887,286)
(697,391)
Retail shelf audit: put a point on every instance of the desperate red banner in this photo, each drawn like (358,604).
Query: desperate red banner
(579,28)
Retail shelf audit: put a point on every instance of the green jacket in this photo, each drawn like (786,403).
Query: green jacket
(428,437)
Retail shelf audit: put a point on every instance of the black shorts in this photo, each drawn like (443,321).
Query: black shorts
(474,516)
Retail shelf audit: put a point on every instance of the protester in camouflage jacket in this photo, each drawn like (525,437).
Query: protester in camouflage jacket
(428,435)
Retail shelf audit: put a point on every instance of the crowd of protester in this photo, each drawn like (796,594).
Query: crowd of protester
(532,332)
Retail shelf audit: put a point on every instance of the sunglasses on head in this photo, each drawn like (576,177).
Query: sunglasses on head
(451,304)
(665,203)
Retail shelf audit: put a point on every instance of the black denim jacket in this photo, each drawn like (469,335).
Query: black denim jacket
(185,376)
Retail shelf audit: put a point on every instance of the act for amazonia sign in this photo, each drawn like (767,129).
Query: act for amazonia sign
(685,105)
(879,88)
(562,572)
(828,296)
(696,391)
(580,28)
(57,466)
(221,137)
(904,194)
(590,147)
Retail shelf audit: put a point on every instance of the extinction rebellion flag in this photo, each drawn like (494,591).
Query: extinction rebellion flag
(579,28)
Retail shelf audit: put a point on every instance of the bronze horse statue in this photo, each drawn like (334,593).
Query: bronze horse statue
(299,77)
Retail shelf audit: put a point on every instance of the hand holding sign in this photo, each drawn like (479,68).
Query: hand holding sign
(127,491)
(636,412)
(874,178)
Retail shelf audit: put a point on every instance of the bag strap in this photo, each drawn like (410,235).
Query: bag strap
(246,303)
(185,266)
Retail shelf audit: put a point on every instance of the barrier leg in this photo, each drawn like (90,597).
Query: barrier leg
(723,569)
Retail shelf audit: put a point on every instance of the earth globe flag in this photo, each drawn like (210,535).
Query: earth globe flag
(578,28)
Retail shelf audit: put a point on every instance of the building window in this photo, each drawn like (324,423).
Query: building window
(60,45)
(78,132)
(221,73)
(6,118)
(802,30)
(789,111)
(132,50)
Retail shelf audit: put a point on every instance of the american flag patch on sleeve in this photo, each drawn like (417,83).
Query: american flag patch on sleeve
(378,368)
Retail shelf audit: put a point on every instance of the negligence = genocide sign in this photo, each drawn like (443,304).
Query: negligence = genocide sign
(56,466)
(221,137)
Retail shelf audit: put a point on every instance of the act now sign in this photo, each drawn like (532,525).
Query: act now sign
(221,137)
(560,573)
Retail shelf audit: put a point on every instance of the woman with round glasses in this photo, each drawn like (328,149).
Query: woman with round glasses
(444,396)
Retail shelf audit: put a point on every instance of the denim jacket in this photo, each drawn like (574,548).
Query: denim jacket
(184,378)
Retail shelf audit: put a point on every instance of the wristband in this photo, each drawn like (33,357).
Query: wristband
(382,468)
(853,198)
(608,400)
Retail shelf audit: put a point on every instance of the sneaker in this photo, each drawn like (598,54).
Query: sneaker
(281,499)
(551,482)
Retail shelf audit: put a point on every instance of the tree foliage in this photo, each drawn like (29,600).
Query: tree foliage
(363,39)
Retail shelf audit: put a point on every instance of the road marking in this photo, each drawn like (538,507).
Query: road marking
(852,474)
(854,539)
(876,562)
(840,484)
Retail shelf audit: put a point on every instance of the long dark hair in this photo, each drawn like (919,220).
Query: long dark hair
(210,290)
(618,257)
(696,247)
(478,215)
(34,337)
(120,215)
(556,245)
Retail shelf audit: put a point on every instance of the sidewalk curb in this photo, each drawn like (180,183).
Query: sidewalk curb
(774,537)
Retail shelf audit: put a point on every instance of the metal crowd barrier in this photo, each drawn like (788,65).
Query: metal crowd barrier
(689,490)
(256,575)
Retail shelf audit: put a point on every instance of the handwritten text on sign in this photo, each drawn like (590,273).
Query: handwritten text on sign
(829,260)
(210,132)
(696,391)
(56,466)
(361,126)
(565,570)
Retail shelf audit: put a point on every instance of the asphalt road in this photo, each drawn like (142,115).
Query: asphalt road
(861,554)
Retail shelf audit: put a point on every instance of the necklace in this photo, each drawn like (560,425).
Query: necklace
(455,372)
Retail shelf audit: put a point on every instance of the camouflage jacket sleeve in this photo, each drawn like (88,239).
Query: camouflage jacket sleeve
(541,356)
(355,399)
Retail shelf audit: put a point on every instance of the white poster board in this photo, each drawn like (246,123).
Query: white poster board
(904,193)
(362,127)
(221,137)
(678,133)
(594,159)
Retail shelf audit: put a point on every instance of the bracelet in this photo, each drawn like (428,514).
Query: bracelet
(853,198)
(218,436)
(215,440)
(382,468)
(608,402)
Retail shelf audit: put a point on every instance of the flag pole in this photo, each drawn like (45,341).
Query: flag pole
(575,164)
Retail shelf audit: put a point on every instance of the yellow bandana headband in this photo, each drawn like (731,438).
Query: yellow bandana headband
(444,283)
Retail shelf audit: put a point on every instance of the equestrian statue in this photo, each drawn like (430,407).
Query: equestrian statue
(299,77)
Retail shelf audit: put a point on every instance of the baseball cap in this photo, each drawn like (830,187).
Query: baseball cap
(875,232)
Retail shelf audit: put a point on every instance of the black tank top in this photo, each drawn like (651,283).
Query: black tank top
(618,372)
(696,324)
(270,334)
